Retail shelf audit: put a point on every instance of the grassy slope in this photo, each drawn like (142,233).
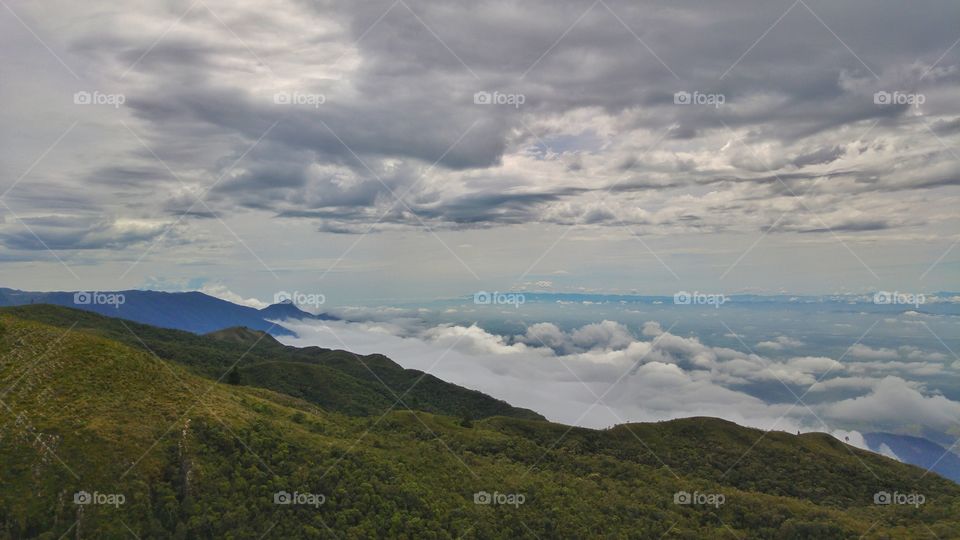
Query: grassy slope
(100,406)
(336,380)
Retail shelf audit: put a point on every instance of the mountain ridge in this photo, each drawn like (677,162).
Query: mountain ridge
(192,311)
(918,451)
(197,458)
(342,380)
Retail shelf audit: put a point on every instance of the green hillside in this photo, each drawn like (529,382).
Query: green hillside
(192,458)
(336,380)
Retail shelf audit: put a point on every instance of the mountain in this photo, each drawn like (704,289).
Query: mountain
(101,438)
(191,311)
(287,310)
(334,379)
(917,451)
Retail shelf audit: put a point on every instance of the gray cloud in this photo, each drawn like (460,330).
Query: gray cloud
(598,141)
(398,97)
(55,232)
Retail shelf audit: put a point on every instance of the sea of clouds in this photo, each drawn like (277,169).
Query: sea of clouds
(606,373)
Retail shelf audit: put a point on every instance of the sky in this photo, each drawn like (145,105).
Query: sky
(400,150)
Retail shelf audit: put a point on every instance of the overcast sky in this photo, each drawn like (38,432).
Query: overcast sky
(378,150)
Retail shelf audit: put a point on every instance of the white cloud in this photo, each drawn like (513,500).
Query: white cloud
(859,350)
(222,292)
(815,364)
(845,383)
(887,451)
(895,401)
(660,376)
(780,343)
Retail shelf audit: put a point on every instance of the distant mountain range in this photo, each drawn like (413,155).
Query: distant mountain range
(941,298)
(201,313)
(917,451)
(190,311)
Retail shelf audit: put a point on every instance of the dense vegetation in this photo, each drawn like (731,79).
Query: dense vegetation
(92,410)
(336,380)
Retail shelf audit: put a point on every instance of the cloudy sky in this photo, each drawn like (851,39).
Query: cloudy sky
(407,149)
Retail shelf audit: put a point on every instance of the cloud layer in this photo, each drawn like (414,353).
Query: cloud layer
(606,373)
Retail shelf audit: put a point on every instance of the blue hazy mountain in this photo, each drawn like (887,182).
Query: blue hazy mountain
(918,451)
(191,311)
(933,300)
(287,310)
